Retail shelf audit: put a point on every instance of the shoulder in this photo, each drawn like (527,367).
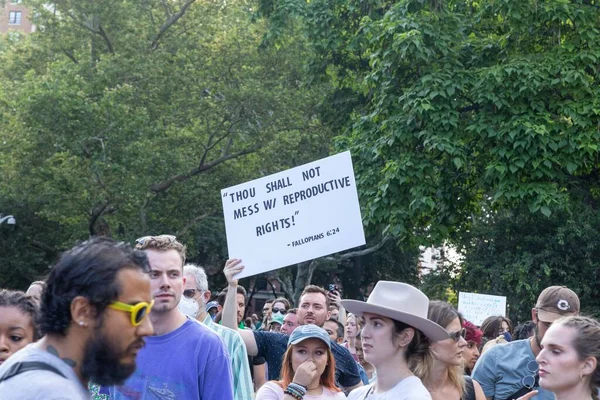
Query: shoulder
(268,391)
(273,337)
(412,388)
(340,351)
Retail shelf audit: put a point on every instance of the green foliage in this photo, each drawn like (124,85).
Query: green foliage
(125,118)
(516,254)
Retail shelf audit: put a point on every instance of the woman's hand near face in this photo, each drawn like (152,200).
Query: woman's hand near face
(305,373)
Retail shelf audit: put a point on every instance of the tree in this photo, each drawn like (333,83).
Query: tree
(452,103)
(125,118)
(517,254)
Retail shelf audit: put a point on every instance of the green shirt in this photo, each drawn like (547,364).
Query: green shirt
(243,388)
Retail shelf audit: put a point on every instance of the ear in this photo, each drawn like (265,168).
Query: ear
(405,337)
(340,340)
(534,316)
(219,308)
(589,366)
(184,279)
(207,295)
(328,315)
(82,312)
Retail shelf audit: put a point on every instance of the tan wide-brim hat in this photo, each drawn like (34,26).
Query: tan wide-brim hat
(400,302)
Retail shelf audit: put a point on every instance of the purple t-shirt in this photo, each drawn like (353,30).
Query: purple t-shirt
(188,363)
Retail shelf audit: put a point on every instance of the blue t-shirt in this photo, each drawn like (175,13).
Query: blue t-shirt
(189,363)
(272,346)
(502,370)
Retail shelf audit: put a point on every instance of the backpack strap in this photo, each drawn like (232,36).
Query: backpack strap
(20,367)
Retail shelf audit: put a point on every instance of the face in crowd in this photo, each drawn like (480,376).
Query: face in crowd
(450,351)
(332,329)
(313,309)
(167,280)
(111,353)
(290,322)
(381,341)
(17,327)
(471,354)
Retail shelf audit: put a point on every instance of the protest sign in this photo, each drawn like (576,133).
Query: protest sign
(293,216)
(477,307)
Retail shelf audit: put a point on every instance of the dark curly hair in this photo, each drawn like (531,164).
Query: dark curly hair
(25,304)
(90,270)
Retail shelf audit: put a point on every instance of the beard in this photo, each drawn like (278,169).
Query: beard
(102,364)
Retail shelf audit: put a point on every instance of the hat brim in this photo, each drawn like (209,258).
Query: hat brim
(549,317)
(302,339)
(433,331)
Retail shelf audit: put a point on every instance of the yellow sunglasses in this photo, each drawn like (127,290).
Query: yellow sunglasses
(138,311)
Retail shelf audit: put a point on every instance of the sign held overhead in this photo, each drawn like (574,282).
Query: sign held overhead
(293,216)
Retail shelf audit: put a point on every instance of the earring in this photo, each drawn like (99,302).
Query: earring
(81,323)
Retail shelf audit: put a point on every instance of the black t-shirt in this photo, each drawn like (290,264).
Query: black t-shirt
(272,346)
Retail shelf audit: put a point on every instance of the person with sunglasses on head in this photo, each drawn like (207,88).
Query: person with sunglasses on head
(185,359)
(312,310)
(439,364)
(308,371)
(570,359)
(94,318)
(394,323)
(193,304)
(510,371)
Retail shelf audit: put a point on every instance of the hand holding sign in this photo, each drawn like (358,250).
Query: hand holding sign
(233,267)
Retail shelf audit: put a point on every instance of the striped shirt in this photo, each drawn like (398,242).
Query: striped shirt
(243,388)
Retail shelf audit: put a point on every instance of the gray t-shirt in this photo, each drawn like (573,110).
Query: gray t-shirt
(503,370)
(41,384)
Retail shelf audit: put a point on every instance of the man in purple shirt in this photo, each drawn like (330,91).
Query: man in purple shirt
(184,360)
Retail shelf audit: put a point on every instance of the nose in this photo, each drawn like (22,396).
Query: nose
(477,354)
(4,344)
(164,281)
(145,328)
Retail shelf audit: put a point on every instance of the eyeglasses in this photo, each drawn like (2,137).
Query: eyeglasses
(281,311)
(530,381)
(189,293)
(144,239)
(138,311)
(456,335)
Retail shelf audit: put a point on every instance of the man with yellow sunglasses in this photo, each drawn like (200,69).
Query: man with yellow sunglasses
(94,310)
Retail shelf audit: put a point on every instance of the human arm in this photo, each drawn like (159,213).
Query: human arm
(243,388)
(260,374)
(216,380)
(479,395)
(229,312)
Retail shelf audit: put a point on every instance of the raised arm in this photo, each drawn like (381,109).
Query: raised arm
(229,313)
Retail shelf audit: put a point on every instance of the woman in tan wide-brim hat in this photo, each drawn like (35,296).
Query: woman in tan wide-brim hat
(395,321)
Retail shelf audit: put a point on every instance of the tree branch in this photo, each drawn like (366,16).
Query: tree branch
(174,18)
(166,184)
(97,31)
(187,226)
(362,252)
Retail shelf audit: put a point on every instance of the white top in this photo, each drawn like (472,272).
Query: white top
(272,391)
(409,388)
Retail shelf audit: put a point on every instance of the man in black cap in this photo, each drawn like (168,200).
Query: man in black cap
(510,371)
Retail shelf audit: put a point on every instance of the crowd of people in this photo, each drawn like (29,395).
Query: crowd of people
(113,321)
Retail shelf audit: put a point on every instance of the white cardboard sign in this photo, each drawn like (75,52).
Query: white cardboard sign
(477,307)
(292,216)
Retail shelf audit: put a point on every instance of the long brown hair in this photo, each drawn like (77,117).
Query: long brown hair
(327,378)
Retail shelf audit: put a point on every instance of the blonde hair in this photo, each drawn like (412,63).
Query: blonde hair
(491,343)
(586,343)
(161,243)
(422,361)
